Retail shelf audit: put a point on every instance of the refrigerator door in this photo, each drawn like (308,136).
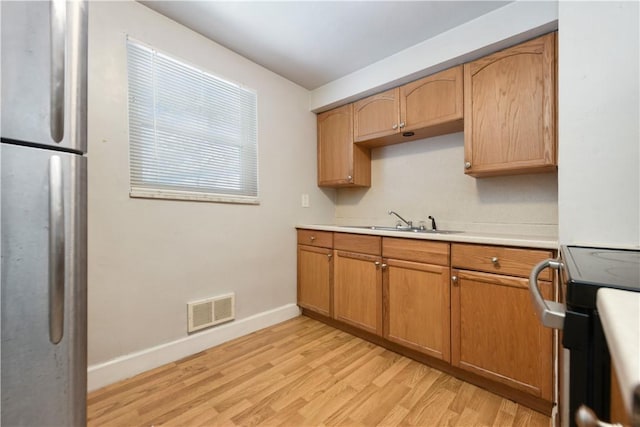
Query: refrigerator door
(43,72)
(43,293)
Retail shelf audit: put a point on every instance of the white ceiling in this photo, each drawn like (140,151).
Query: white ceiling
(314,42)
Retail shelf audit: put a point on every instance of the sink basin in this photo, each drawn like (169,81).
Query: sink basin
(403,229)
(378,227)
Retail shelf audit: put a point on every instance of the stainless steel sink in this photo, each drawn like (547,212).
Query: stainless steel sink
(403,229)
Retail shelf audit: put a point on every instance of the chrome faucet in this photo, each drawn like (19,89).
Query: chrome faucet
(409,223)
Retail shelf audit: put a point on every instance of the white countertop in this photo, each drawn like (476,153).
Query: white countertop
(620,316)
(542,242)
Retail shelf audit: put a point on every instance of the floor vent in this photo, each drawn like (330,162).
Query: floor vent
(211,311)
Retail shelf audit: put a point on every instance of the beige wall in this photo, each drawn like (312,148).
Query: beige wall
(599,107)
(426,177)
(147,258)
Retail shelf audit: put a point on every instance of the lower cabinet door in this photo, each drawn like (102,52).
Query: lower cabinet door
(358,290)
(417,307)
(496,334)
(315,274)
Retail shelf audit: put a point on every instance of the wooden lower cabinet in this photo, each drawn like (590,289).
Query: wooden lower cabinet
(315,278)
(416,306)
(467,305)
(496,334)
(358,290)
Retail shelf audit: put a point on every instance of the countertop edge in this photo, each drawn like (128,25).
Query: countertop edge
(463,237)
(620,315)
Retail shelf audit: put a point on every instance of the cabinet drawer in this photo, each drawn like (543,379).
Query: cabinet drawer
(357,243)
(416,250)
(322,239)
(498,259)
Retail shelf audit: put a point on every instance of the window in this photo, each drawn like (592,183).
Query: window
(192,135)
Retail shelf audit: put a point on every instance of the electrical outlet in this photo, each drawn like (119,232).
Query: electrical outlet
(305,200)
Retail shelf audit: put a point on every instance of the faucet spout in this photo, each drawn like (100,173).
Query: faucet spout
(433,223)
(409,223)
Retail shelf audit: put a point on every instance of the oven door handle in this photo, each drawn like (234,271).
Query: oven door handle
(550,313)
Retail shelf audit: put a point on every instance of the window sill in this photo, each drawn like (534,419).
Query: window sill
(141,193)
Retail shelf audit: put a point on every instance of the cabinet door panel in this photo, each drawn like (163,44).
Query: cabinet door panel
(358,290)
(432,100)
(416,301)
(510,110)
(376,116)
(335,135)
(315,273)
(496,334)
(341,163)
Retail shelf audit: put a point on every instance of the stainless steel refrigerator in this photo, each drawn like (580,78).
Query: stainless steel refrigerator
(43,212)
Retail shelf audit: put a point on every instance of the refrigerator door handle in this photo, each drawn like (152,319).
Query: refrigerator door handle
(56,250)
(58,22)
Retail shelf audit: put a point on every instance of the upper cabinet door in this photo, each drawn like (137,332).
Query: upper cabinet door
(509,111)
(340,161)
(432,100)
(44,73)
(377,115)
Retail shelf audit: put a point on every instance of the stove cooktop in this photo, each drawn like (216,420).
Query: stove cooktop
(588,269)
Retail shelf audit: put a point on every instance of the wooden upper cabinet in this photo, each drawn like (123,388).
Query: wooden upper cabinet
(341,163)
(377,116)
(509,111)
(427,107)
(433,101)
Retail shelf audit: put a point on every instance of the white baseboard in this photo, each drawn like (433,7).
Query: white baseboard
(127,366)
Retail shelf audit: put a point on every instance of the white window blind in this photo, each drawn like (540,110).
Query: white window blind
(192,135)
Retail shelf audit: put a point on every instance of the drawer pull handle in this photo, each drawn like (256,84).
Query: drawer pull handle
(312,238)
(495,260)
(454,279)
(329,256)
(377,263)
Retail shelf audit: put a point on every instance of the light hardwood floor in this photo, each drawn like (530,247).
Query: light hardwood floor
(301,373)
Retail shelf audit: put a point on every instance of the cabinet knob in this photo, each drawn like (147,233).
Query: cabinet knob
(312,238)
(329,256)
(377,263)
(395,126)
(349,178)
(454,279)
(495,260)
(467,165)
(401,125)
(383,266)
